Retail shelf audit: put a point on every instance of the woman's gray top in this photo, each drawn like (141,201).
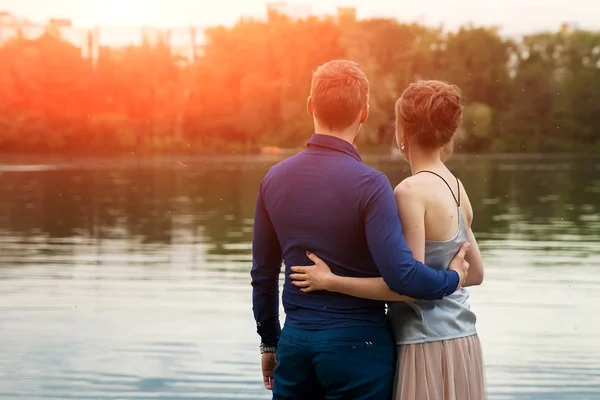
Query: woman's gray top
(448,318)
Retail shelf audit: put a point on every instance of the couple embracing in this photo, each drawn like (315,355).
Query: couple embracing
(375,284)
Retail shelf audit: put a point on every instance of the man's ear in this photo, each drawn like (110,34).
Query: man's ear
(309,107)
(364,115)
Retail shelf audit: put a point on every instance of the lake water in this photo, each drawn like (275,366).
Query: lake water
(130,279)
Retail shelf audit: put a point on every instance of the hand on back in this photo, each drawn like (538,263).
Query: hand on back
(460,265)
(312,277)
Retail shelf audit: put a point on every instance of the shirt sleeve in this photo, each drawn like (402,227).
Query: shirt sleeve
(266,266)
(400,271)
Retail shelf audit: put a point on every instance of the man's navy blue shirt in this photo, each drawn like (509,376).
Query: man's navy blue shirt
(325,200)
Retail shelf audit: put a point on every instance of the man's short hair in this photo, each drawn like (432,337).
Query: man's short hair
(339,92)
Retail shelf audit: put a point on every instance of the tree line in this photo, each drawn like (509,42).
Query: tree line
(247,88)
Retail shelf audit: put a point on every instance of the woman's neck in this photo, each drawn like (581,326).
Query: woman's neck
(424,159)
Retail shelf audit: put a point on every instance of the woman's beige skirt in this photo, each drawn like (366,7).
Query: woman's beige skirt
(443,370)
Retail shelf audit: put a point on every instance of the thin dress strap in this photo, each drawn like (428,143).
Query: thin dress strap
(457,200)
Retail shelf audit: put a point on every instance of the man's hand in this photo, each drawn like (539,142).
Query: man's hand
(459,265)
(268,367)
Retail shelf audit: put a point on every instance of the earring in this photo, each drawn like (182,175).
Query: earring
(402,146)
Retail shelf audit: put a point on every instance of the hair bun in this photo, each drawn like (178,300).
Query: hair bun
(444,114)
(429,113)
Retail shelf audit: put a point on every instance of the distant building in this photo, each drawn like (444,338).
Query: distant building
(185,42)
(346,15)
(61,22)
(494,29)
(10,25)
(568,27)
(7,19)
(284,9)
(4,16)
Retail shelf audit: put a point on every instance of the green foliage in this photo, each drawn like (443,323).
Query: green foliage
(476,127)
(249,85)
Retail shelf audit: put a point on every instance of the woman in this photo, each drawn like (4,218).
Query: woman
(439,353)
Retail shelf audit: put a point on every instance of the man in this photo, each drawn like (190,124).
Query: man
(327,201)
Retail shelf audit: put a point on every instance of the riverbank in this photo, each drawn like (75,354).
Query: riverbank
(37,162)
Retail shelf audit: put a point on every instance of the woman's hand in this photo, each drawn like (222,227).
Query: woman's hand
(312,277)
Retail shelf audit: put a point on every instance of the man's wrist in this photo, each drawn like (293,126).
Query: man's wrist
(453,282)
(267,349)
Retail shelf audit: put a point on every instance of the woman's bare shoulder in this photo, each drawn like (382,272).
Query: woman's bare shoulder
(413,186)
(465,205)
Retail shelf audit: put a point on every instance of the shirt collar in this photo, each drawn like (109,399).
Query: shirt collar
(333,143)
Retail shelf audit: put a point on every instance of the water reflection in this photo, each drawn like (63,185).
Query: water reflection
(130,279)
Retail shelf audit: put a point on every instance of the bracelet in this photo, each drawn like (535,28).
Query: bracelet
(267,349)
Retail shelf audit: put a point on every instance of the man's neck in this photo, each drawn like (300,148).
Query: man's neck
(344,135)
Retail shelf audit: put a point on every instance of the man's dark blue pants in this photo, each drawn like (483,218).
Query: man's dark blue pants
(335,364)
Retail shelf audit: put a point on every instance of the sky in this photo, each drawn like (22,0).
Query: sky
(513,16)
